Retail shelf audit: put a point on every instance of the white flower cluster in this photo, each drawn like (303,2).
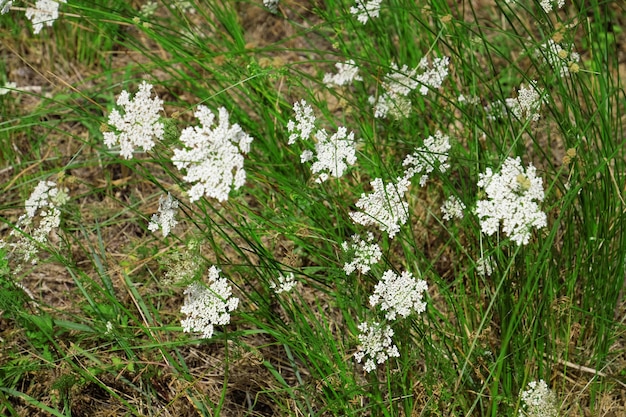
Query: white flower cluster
(399,83)
(376,345)
(44,12)
(538,401)
(333,154)
(366,253)
(512,197)
(347,73)
(140,124)
(166,217)
(286,283)
(484,266)
(559,59)
(452,208)
(433,76)
(305,122)
(43,204)
(272,5)
(364,10)
(384,207)
(399,294)
(434,153)
(208,307)
(5,6)
(213,155)
(527,103)
(547,5)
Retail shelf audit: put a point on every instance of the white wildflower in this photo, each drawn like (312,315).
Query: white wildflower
(140,124)
(213,155)
(538,401)
(376,345)
(109,328)
(166,217)
(434,153)
(484,266)
(333,154)
(285,283)
(272,5)
(346,73)
(397,85)
(306,122)
(394,105)
(366,9)
(399,294)
(527,103)
(45,12)
(184,6)
(452,208)
(5,6)
(433,76)
(8,87)
(366,253)
(384,207)
(547,5)
(512,197)
(208,307)
(559,59)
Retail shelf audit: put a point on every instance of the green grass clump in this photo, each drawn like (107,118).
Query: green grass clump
(93,327)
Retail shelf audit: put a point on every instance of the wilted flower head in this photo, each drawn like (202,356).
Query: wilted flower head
(213,155)
(559,59)
(527,103)
(384,207)
(366,253)
(434,153)
(366,9)
(139,125)
(166,217)
(538,401)
(207,307)
(45,12)
(376,345)
(512,197)
(453,207)
(399,294)
(346,73)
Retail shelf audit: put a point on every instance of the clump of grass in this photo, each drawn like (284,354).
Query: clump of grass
(454,311)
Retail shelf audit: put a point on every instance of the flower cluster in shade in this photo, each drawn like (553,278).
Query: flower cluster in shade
(528,102)
(139,127)
(33,228)
(538,400)
(452,208)
(376,345)
(207,307)
(433,154)
(363,10)
(212,156)
(165,219)
(365,253)
(333,154)
(512,199)
(400,82)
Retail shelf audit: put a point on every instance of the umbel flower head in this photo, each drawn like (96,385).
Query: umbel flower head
(538,401)
(366,253)
(512,197)
(45,12)
(376,345)
(139,126)
(434,153)
(366,9)
(399,294)
(212,155)
(166,217)
(346,73)
(208,307)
